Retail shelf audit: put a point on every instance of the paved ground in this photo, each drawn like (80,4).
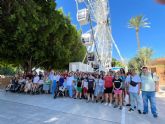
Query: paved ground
(43,109)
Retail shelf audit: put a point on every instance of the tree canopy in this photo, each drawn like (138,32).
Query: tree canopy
(34,34)
(142,58)
(116,63)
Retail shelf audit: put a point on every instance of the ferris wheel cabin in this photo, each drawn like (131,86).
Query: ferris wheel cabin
(83,16)
(80,1)
(87,39)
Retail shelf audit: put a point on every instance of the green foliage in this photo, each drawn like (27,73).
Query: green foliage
(137,22)
(6,69)
(142,58)
(116,63)
(35,34)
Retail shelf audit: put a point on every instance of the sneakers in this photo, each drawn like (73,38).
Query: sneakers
(155,115)
(120,107)
(128,105)
(110,104)
(115,106)
(106,104)
(130,110)
(139,111)
(145,113)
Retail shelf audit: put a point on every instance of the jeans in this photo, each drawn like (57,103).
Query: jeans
(151,97)
(53,90)
(135,98)
(70,91)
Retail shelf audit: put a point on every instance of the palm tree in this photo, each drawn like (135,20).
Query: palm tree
(137,23)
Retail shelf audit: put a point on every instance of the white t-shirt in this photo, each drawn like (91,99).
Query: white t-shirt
(101,82)
(27,81)
(85,84)
(20,81)
(51,77)
(41,81)
(149,82)
(70,80)
(136,79)
(36,79)
(57,77)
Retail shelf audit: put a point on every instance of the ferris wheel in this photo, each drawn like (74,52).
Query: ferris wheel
(98,39)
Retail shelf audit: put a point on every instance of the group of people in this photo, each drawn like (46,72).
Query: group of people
(110,88)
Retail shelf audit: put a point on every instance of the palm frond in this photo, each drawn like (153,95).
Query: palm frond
(138,21)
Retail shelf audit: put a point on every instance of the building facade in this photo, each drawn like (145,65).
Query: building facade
(158,66)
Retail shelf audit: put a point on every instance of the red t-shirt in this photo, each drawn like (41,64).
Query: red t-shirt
(108,81)
(65,75)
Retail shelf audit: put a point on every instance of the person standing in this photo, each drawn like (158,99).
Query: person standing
(127,80)
(117,84)
(96,93)
(53,83)
(100,89)
(134,91)
(149,86)
(70,80)
(85,86)
(108,85)
(35,83)
(79,87)
(123,78)
(91,87)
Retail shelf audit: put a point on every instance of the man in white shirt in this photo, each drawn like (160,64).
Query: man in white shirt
(70,80)
(149,86)
(57,76)
(51,78)
(134,90)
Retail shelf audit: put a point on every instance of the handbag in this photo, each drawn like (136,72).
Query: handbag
(133,83)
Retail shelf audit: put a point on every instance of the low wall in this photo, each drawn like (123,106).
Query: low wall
(4,81)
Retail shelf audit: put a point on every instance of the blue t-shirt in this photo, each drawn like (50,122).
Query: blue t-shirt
(61,81)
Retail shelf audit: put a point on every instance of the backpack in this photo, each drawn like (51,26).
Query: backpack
(152,74)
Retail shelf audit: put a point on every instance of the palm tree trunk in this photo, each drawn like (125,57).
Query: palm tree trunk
(137,38)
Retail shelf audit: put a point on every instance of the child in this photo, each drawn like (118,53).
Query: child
(65,87)
(28,85)
(85,88)
(79,87)
(46,85)
(40,84)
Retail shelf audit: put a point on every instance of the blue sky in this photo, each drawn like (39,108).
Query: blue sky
(121,12)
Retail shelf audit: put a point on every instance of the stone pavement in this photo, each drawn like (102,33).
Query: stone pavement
(43,109)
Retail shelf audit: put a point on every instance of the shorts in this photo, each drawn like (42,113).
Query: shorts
(99,90)
(108,90)
(85,90)
(91,91)
(79,89)
(118,92)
